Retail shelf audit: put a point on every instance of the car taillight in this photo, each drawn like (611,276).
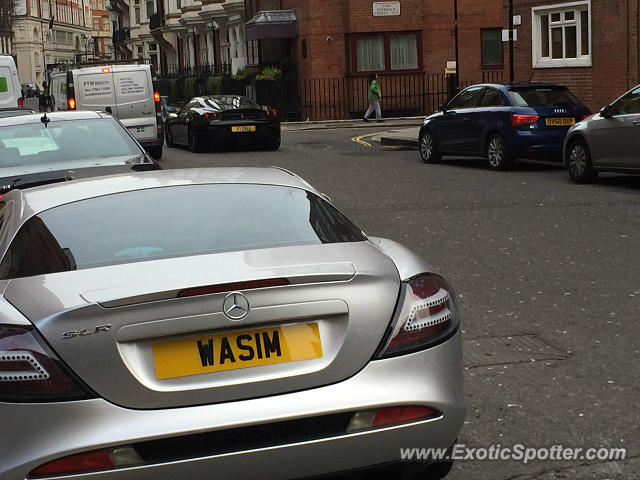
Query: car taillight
(96,460)
(426,315)
(20,102)
(210,115)
(156,97)
(272,114)
(71,103)
(518,119)
(30,372)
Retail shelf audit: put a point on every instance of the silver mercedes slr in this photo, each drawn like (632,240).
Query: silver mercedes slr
(221,323)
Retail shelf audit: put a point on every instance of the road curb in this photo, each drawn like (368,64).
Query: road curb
(390,122)
(398,142)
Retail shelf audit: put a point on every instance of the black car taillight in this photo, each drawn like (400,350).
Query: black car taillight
(31,372)
(210,116)
(426,316)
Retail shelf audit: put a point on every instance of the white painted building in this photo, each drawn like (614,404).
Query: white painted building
(35,45)
(186,35)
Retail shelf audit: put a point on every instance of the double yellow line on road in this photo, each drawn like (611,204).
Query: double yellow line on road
(359,138)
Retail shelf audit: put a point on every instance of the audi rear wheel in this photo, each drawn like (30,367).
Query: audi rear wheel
(496,153)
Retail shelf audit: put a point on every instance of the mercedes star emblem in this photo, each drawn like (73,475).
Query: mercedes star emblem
(235,306)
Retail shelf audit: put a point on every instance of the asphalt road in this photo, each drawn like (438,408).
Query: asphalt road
(533,258)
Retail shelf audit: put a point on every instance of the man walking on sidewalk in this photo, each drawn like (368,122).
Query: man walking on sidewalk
(374,96)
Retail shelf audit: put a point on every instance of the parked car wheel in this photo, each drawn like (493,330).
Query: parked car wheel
(428,152)
(496,153)
(155,152)
(579,162)
(168,137)
(194,143)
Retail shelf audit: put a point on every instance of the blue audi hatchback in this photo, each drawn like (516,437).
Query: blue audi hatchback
(502,122)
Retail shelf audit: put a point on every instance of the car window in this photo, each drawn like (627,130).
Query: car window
(128,227)
(628,104)
(63,141)
(227,102)
(491,98)
(469,98)
(187,106)
(535,96)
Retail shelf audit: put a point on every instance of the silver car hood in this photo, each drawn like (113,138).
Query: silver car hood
(103,322)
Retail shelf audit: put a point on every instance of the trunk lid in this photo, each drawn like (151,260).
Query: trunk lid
(125,332)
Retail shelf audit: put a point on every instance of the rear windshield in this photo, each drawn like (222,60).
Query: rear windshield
(230,103)
(171,222)
(63,141)
(536,96)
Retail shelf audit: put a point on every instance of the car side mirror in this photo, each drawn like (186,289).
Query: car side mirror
(443,107)
(607,112)
(173,114)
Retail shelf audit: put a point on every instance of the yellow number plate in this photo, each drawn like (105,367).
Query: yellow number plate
(244,128)
(239,349)
(560,122)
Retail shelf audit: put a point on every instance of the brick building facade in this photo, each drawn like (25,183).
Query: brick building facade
(592,46)
(606,67)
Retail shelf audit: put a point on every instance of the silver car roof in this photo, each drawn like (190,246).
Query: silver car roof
(38,199)
(53,117)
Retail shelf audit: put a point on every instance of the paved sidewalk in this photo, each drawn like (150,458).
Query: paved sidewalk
(405,137)
(353,123)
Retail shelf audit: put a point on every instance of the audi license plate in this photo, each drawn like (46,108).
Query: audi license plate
(560,122)
(218,352)
(243,128)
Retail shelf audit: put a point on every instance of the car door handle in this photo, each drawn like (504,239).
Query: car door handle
(636,123)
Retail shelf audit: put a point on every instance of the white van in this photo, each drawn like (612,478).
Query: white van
(125,91)
(58,91)
(10,91)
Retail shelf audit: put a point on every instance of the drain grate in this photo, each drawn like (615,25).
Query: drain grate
(506,350)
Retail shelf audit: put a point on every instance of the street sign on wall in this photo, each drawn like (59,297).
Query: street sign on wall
(386,9)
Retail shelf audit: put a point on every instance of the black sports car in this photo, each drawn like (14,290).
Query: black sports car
(220,119)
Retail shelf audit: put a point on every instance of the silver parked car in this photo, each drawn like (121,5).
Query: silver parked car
(175,323)
(606,141)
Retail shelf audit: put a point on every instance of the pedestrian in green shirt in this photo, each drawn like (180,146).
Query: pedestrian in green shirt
(374,96)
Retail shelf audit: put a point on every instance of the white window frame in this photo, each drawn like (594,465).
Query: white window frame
(536,41)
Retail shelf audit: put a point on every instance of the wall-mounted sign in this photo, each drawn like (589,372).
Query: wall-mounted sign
(386,9)
(505,35)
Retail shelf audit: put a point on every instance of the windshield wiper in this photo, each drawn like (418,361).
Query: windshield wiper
(35,182)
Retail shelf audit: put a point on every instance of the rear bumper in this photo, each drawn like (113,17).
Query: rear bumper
(222,133)
(538,143)
(37,433)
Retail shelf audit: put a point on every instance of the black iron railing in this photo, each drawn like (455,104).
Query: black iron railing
(176,71)
(346,97)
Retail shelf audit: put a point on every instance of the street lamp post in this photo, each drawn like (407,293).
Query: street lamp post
(511,70)
(455,21)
